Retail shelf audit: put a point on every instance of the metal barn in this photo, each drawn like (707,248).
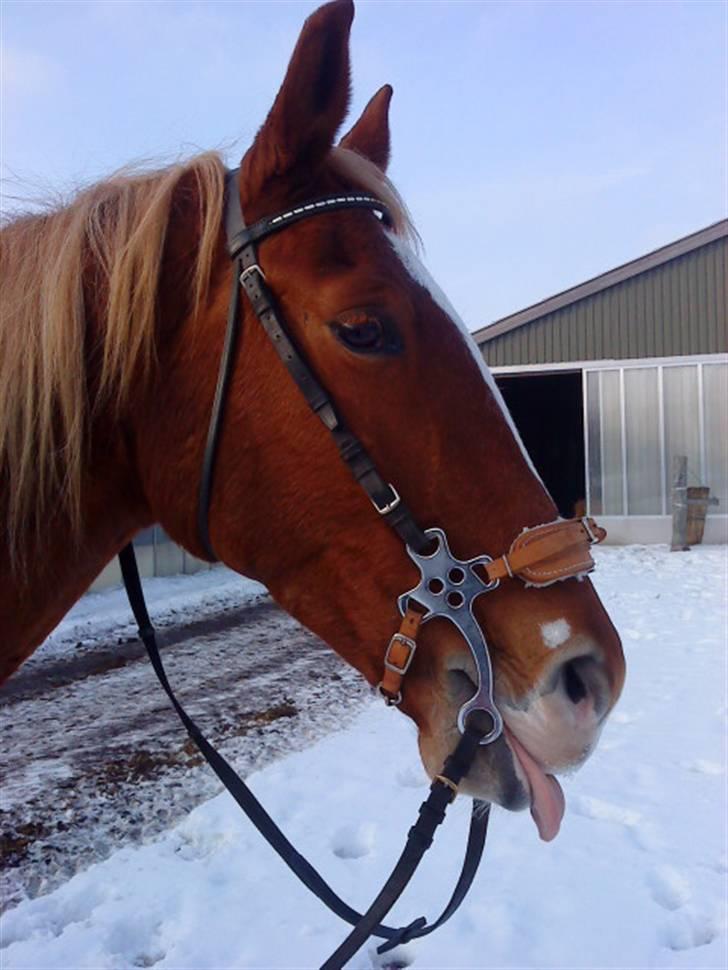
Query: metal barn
(610,379)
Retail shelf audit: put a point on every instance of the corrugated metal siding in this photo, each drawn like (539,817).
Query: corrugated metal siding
(674,310)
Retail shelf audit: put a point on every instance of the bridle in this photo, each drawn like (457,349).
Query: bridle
(448,588)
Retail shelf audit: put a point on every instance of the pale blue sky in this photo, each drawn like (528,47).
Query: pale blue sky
(537,143)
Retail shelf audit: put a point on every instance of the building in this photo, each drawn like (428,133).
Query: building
(610,379)
(156,555)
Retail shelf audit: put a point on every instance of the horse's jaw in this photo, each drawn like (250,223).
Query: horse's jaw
(505,773)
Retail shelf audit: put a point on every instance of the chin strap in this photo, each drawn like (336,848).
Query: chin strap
(431,814)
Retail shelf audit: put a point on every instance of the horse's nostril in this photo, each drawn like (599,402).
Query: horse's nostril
(585,677)
(574,686)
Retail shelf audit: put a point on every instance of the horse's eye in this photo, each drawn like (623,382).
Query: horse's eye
(369,336)
(361,336)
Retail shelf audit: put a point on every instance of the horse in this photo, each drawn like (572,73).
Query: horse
(114,310)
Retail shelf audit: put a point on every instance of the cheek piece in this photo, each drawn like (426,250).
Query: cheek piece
(448,588)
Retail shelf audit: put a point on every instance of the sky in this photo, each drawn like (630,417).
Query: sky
(537,144)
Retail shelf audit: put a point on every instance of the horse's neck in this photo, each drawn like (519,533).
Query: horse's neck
(58,569)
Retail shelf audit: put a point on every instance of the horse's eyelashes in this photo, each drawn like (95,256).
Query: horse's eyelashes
(371,335)
(364,336)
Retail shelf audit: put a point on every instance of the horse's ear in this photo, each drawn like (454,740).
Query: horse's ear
(370,135)
(311,104)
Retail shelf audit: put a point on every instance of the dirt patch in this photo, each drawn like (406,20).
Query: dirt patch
(94,758)
(14,845)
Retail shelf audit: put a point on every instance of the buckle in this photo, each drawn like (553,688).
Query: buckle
(448,783)
(391,700)
(592,538)
(391,505)
(411,646)
(251,269)
(327,415)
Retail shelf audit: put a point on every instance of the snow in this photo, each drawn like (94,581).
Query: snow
(636,879)
(555,633)
(172,601)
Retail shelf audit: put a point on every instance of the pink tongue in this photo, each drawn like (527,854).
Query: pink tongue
(547,798)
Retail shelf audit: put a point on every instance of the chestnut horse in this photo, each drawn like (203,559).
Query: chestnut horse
(113,323)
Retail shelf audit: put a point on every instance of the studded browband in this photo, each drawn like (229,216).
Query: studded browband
(539,556)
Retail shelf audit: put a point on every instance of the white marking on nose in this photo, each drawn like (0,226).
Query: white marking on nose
(555,633)
(420,274)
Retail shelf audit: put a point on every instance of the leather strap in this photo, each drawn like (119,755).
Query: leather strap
(216,417)
(419,840)
(399,655)
(241,236)
(431,811)
(241,246)
(550,552)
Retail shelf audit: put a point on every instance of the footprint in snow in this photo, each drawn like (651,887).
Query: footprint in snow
(669,887)
(604,811)
(353,841)
(148,959)
(704,767)
(646,836)
(396,959)
(412,776)
(689,928)
(641,831)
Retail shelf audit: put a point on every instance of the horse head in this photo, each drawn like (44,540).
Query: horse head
(407,380)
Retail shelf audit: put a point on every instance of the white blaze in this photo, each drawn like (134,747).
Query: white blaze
(555,633)
(420,274)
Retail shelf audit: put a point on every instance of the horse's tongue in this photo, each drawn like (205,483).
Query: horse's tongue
(547,798)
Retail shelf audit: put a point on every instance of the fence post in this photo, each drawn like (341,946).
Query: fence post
(679,503)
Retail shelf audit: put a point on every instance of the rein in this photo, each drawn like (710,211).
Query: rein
(430,815)
(448,588)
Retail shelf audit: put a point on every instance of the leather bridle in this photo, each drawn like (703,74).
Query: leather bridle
(447,588)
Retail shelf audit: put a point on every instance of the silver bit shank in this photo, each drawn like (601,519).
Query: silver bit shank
(448,588)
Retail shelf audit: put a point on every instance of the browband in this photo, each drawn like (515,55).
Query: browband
(242,237)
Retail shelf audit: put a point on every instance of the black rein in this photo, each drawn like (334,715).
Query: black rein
(248,275)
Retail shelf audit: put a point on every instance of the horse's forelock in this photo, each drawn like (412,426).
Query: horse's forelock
(367,176)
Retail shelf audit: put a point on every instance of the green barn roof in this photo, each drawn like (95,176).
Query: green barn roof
(671,302)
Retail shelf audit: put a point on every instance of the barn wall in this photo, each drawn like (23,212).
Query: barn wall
(639,418)
(677,309)
(156,555)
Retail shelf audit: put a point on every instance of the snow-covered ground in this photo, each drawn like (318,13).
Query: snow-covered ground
(636,879)
(172,600)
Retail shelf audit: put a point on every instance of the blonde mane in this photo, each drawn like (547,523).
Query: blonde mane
(118,228)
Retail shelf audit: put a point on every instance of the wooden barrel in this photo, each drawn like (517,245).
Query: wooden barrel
(697,507)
